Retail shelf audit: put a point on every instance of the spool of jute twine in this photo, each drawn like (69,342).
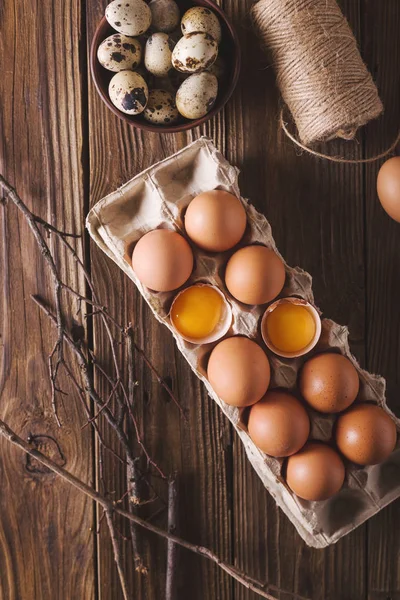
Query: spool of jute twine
(321,75)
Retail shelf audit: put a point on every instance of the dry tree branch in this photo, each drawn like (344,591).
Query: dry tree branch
(89,384)
(58,348)
(170,583)
(132,470)
(86,389)
(110,507)
(117,552)
(81,394)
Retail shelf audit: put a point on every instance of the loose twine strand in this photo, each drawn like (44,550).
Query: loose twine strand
(339,159)
(322,77)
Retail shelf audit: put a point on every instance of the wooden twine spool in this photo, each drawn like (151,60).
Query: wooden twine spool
(320,73)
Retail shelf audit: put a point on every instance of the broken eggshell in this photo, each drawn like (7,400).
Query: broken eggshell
(222,326)
(299,302)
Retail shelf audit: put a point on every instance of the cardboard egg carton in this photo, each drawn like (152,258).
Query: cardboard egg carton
(158,198)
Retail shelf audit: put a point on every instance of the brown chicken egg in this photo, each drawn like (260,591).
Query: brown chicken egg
(239,372)
(278,424)
(366,434)
(162,260)
(329,382)
(316,472)
(255,275)
(215,220)
(388,187)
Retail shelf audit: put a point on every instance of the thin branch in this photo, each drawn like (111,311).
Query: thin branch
(104,313)
(105,405)
(89,385)
(108,505)
(129,333)
(171,577)
(52,229)
(121,406)
(32,222)
(82,394)
(133,477)
(117,553)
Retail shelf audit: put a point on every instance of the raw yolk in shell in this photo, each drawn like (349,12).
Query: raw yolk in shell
(290,327)
(196,311)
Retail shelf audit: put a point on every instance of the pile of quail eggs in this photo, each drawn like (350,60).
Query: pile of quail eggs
(180,69)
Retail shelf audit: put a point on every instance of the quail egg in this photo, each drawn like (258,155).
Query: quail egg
(128,92)
(131,17)
(119,52)
(194,52)
(161,108)
(201,19)
(196,95)
(157,55)
(165,15)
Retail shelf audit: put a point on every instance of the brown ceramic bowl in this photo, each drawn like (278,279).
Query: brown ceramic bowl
(229,49)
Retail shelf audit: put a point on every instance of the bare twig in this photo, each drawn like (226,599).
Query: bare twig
(133,480)
(81,394)
(52,229)
(32,222)
(117,553)
(133,477)
(157,375)
(89,385)
(109,506)
(170,583)
(105,405)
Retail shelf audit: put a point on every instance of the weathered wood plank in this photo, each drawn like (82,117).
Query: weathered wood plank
(382,242)
(46,547)
(199,450)
(316,212)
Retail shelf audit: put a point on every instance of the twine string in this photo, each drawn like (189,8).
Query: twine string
(320,73)
(338,159)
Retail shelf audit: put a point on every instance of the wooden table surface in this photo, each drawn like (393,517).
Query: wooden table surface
(64,150)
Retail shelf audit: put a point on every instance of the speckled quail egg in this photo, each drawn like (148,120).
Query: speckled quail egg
(161,108)
(157,54)
(128,92)
(196,95)
(201,19)
(194,52)
(119,52)
(165,15)
(131,17)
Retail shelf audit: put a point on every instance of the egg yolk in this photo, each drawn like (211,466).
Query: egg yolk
(290,327)
(196,311)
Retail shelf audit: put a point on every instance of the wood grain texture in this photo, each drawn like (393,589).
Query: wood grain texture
(382,258)
(46,547)
(56,138)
